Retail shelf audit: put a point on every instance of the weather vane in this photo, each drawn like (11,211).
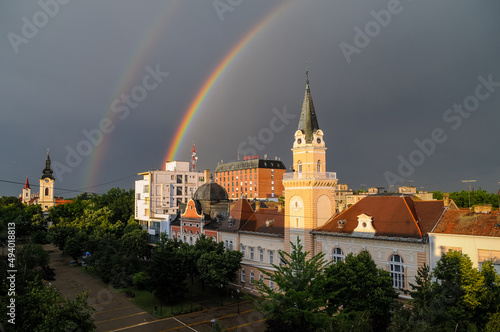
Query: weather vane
(307,72)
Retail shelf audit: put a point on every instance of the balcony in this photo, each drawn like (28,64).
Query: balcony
(310,175)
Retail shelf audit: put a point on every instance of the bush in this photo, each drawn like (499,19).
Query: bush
(140,280)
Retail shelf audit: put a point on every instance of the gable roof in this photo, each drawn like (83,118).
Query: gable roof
(466,222)
(392,216)
(241,211)
(266,221)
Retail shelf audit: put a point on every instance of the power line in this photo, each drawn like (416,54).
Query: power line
(66,190)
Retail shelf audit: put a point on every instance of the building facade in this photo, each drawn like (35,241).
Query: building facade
(251,178)
(392,228)
(159,194)
(474,233)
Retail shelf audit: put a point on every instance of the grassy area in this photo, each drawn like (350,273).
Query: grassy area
(196,299)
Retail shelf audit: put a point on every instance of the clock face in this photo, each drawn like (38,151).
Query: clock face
(46,180)
(299,140)
(318,140)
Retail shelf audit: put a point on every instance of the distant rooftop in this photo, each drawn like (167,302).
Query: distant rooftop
(251,163)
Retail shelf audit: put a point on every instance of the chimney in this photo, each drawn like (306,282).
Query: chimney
(446,199)
(207,175)
(257,205)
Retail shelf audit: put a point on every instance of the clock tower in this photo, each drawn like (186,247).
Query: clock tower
(46,199)
(309,189)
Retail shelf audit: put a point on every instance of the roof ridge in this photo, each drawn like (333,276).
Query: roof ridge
(411,213)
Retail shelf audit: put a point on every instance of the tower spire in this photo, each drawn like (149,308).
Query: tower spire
(47,171)
(308,122)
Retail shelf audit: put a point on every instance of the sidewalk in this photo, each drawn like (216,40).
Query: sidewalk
(116,312)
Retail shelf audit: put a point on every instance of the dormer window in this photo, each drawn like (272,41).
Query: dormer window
(365,225)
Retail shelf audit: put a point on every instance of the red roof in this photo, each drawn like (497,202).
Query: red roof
(27,184)
(392,216)
(466,222)
(266,221)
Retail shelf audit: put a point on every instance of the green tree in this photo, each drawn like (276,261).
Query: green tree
(219,268)
(357,285)
(135,243)
(454,297)
(298,303)
(192,253)
(167,270)
(42,308)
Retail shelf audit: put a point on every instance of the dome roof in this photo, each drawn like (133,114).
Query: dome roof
(210,192)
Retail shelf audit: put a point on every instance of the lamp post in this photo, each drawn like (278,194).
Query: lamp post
(221,299)
(238,296)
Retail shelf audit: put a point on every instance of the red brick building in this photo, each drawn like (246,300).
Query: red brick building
(251,178)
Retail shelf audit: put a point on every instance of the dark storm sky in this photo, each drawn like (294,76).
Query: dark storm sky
(403,90)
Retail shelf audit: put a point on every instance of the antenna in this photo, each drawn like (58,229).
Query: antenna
(469,182)
(194,159)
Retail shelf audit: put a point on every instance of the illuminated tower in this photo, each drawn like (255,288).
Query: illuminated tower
(46,199)
(309,189)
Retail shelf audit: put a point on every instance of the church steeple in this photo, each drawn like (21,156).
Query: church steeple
(47,172)
(27,184)
(308,122)
(46,197)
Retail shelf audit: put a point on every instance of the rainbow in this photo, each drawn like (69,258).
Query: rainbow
(135,68)
(216,73)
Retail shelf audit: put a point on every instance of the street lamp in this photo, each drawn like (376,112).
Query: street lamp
(238,296)
(221,299)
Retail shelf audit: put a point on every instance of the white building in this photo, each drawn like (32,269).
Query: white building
(159,194)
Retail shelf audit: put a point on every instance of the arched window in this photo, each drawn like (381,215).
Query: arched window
(337,255)
(397,271)
(300,166)
(227,244)
(319,166)
(230,245)
(46,191)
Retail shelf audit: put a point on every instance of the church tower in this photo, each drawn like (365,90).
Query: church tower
(26,195)
(46,199)
(309,189)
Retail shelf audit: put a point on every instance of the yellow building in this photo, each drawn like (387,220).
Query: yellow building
(309,189)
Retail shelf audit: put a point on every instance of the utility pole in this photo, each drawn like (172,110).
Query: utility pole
(469,182)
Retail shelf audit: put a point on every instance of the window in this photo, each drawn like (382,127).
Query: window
(261,255)
(300,166)
(46,191)
(242,249)
(271,284)
(271,257)
(251,276)
(397,271)
(261,277)
(255,176)
(227,244)
(319,166)
(489,255)
(337,255)
(242,275)
(230,245)
(251,253)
